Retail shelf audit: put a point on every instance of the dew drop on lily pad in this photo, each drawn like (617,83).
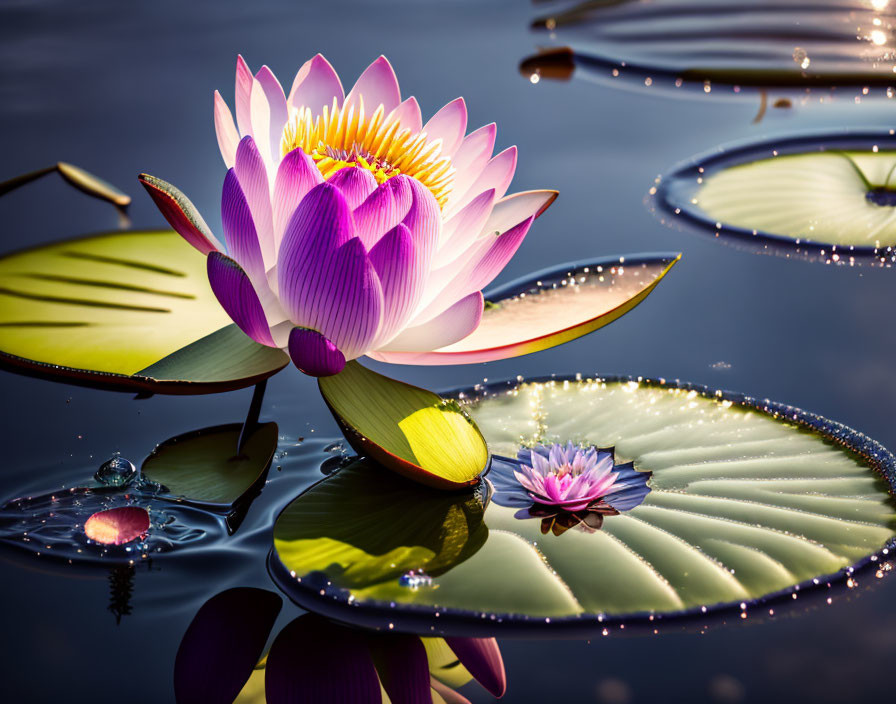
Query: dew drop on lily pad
(117,526)
(116,471)
(414,579)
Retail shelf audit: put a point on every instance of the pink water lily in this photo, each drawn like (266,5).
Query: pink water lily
(351,227)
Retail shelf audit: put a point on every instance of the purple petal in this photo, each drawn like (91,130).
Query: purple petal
(401,274)
(313,660)
(445,329)
(355,183)
(314,354)
(378,85)
(446,693)
(424,220)
(462,230)
(222,645)
(316,85)
(235,293)
(497,256)
(383,210)
(239,228)
(449,125)
(403,667)
(482,658)
(253,177)
(326,280)
(225,130)
(296,176)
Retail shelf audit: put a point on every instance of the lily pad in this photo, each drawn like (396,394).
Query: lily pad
(751,502)
(822,43)
(834,195)
(407,429)
(204,468)
(551,307)
(124,310)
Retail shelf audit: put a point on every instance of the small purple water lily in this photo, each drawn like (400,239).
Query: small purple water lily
(567,485)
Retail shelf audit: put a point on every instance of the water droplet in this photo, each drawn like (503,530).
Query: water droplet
(116,471)
(414,579)
(336,448)
(148,486)
(801,57)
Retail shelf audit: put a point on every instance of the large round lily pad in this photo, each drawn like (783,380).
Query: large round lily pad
(834,195)
(823,43)
(749,502)
(124,310)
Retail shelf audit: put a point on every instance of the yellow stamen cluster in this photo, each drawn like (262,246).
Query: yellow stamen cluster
(338,138)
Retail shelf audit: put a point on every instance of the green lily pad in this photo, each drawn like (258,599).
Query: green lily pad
(124,310)
(830,193)
(407,429)
(749,502)
(203,466)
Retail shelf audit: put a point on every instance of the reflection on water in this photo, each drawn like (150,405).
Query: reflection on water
(822,43)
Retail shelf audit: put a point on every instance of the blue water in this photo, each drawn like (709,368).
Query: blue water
(120,88)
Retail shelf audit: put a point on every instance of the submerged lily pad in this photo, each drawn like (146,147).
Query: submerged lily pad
(124,310)
(823,194)
(823,43)
(749,502)
(551,307)
(407,429)
(205,468)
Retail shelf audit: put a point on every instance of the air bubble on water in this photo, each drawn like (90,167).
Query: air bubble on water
(335,448)
(415,579)
(801,57)
(116,471)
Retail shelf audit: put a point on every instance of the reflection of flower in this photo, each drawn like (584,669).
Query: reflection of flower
(351,227)
(567,485)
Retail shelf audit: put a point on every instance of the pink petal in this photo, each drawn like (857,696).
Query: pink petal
(244,81)
(469,161)
(449,125)
(181,214)
(237,296)
(497,175)
(316,85)
(355,183)
(378,85)
(260,117)
(252,173)
(117,526)
(314,354)
(446,693)
(462,230)
(401,272)
(296,175)
(228,137)
(407,114)
(452,325)
(383,210)
(513,209)
(278,111)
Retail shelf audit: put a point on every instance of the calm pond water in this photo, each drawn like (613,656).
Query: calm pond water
(121,88)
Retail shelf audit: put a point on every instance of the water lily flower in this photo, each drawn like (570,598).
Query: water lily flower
(350,227)
(567,481)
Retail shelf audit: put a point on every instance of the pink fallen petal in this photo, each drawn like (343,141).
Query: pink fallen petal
(117,526)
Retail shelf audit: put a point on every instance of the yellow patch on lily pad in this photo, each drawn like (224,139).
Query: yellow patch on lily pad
(407,429)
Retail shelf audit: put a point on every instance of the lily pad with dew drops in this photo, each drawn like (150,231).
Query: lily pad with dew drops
(844,44)
(831,194)
(124,310)
(751,503)
(407,429)
(549,308)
